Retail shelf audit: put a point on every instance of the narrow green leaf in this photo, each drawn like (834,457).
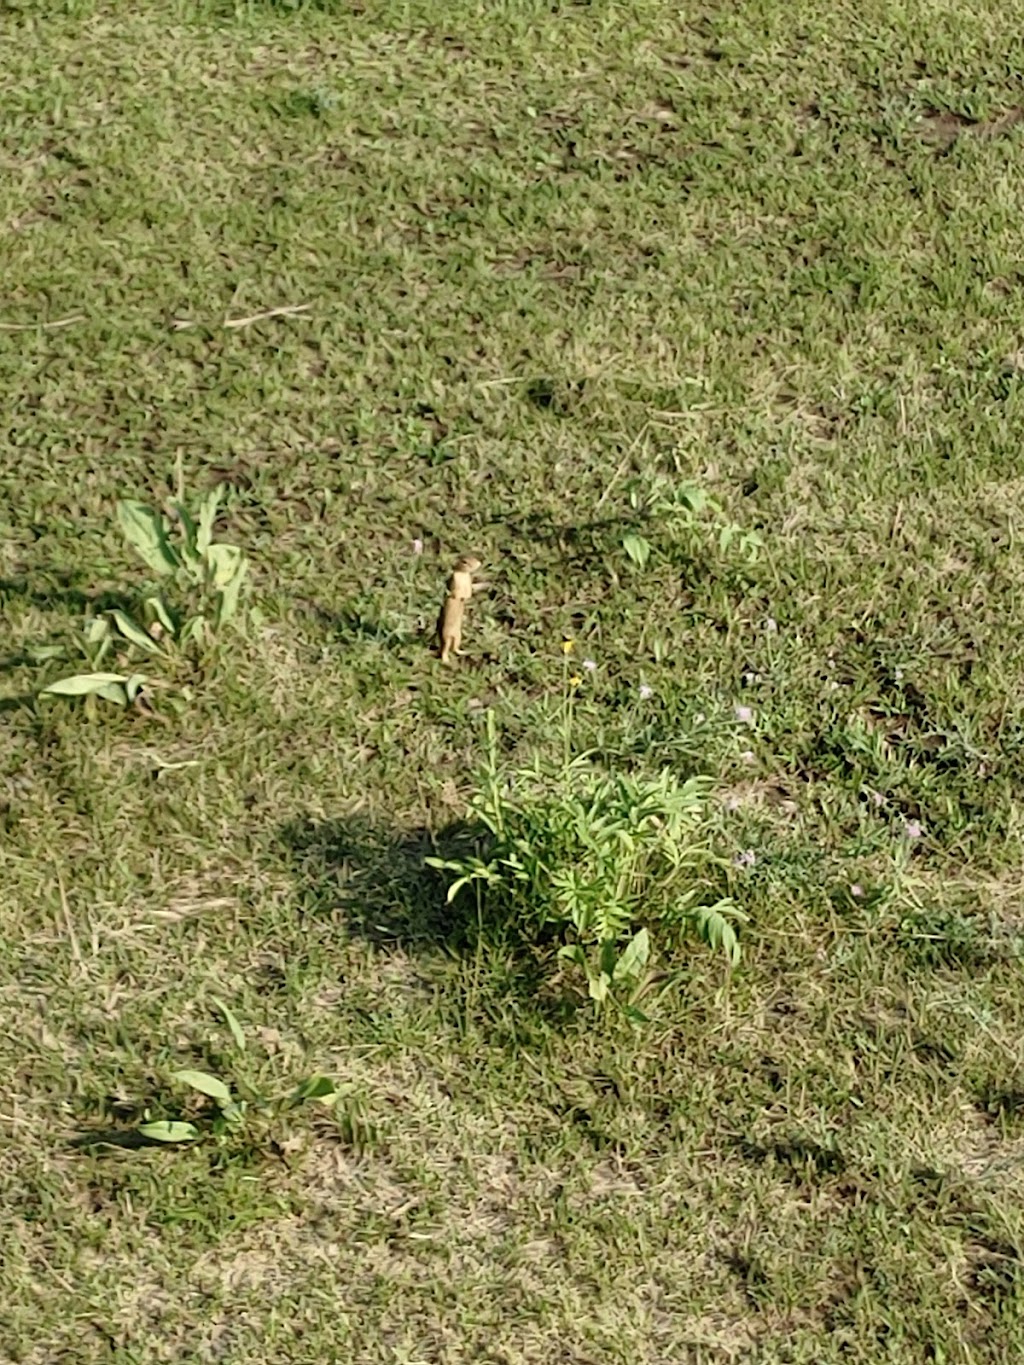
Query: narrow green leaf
(134,633)
(193,629)
(207,516)
(205,1084)
(190,552)
(134,686)
(232,1023)
(146,532)
(42,654)
(227,607)
(84,684)
(159,610)
(165,1130)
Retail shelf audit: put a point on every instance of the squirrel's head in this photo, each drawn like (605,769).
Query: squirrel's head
(467,563)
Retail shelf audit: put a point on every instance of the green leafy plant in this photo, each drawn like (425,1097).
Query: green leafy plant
(605,858)
(681,512)
(207,580)
(241,1109)
(192,560)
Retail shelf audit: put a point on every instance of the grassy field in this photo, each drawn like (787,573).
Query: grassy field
(543,254)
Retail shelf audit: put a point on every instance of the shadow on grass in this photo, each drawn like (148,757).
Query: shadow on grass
(380,885)
(349,626)
(64,590)
(380,881)
(100,1140)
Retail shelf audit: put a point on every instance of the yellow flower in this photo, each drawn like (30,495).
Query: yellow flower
(575,680)
(566,646)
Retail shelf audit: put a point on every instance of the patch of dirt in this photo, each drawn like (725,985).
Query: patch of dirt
(941,127)
(758,793)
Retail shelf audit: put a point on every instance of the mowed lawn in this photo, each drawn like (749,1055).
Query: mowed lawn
(541,255)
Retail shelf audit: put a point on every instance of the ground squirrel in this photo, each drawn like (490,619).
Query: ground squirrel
(458,593)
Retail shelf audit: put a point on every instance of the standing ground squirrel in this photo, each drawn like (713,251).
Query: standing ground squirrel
(458,593)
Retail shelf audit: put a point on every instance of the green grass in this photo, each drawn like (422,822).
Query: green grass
(546,249)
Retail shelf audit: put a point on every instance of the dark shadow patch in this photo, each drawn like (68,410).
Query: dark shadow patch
(350,625)
(99,1140)
(801,1161)
(378,880)
(557,397)
(64,592)
(994,1270)
(376,883)
(941,128)
(754,1280)
(943,938)
(1000,1104)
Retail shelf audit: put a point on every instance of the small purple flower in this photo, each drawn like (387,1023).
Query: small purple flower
(699,718)
(590,666)
(877,799)
(744,715)
(912,829)
(747,756)
(857,891)
(770,625)
(646,693)
(745,859)
(417,546)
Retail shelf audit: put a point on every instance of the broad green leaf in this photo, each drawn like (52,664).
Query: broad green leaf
(634,957)
(638,549)
(316,1088)
(573,952)
(232,1023)
(599,986)
(113,692)
(97,630)
(84,684)
(134,633)
(165,1130)
(205,1084)
(207,516)
(134,686)
(225,561)
(692,497)
(146,532)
